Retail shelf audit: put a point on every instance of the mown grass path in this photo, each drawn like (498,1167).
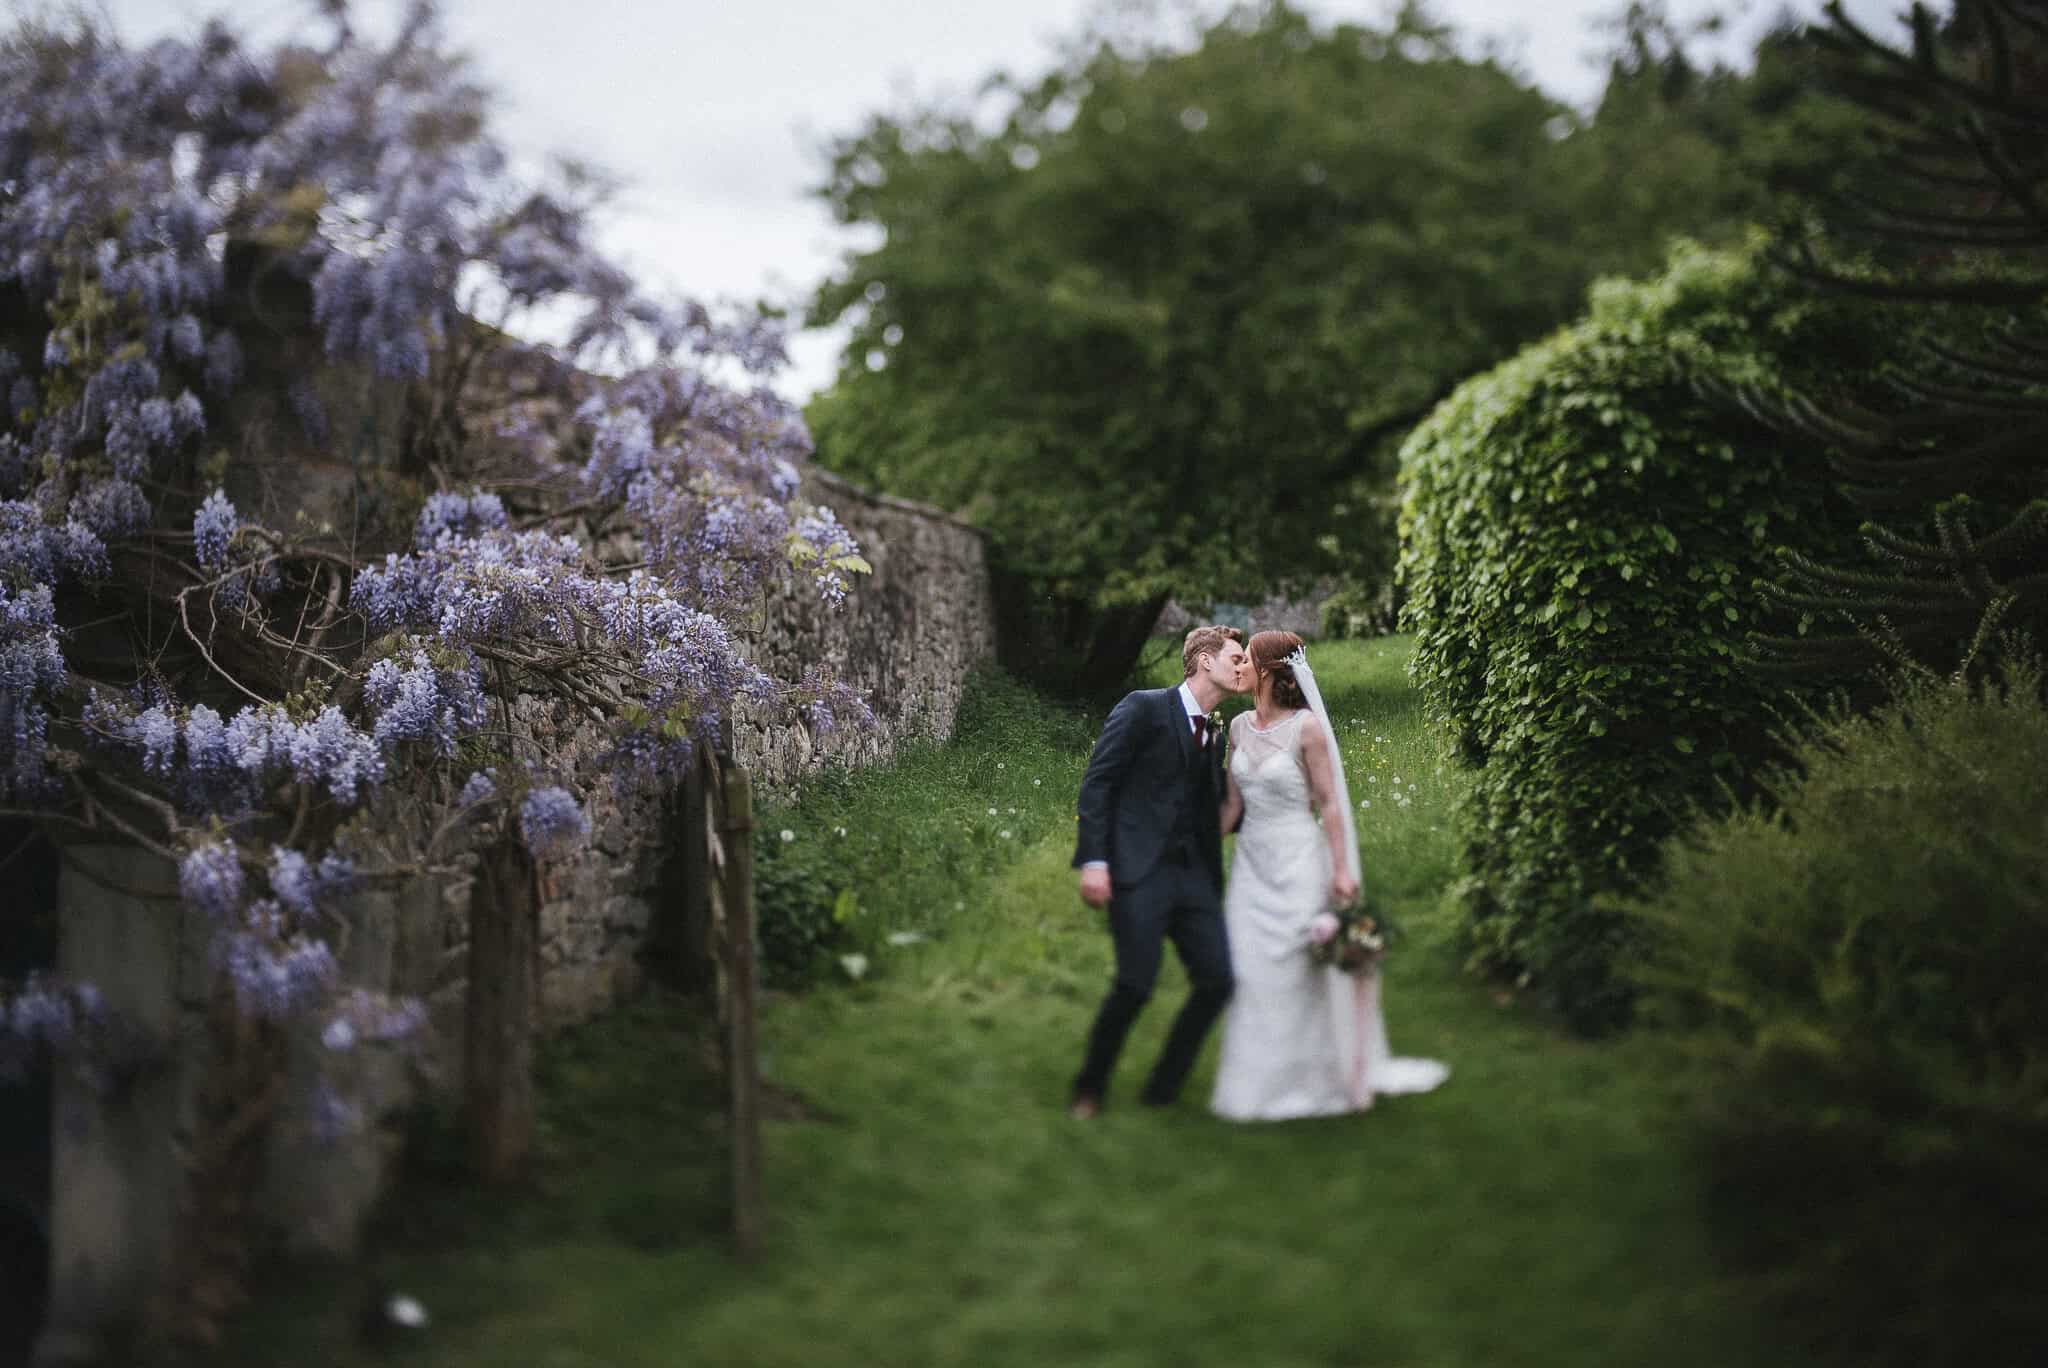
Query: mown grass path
(933,1205)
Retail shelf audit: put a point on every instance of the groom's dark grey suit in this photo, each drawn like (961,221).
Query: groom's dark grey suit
(1149,809)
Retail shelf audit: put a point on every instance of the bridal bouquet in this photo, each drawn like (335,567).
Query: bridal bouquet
(1349,938)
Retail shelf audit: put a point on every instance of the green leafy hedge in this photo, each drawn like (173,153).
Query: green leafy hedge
(1582,530)
(1861,976)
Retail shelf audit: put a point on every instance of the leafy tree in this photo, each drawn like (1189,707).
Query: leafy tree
(1161,331)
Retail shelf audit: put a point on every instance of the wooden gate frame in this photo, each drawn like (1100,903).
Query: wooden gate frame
(729,883)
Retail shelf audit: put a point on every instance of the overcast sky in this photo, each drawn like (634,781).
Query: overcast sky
(715,111)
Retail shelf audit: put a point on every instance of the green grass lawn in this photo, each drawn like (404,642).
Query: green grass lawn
(932,1204)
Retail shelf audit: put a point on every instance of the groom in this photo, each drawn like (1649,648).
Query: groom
(1149,851)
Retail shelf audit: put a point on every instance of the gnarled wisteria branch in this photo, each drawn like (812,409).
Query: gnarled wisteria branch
(297,709)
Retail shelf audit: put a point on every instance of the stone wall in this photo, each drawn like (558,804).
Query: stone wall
(907,637)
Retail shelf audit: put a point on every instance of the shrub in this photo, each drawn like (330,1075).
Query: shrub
(1860,976)
(1581,535)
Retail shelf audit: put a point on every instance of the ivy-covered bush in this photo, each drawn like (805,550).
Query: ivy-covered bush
(1859,979)
(1582,532)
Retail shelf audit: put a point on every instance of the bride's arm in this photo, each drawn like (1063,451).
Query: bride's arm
(1322,784)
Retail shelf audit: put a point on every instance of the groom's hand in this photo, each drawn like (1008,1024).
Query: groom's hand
(1095,886)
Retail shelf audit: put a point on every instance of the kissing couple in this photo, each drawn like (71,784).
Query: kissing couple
(1301,1037)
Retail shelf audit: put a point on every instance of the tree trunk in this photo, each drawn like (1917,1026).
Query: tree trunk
(504,976)
(1067,645)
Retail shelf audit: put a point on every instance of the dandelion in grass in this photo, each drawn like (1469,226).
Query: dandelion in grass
(840,832)
(991,812)
(787,835)
(856,966)
(1036,782)
(1004,833)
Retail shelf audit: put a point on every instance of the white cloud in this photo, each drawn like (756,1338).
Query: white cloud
(715,113)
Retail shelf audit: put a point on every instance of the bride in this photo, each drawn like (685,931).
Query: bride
(1299,1039)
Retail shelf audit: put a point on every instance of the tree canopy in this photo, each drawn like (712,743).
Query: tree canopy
(1161,329)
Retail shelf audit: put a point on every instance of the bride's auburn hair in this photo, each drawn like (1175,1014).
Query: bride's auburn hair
(1269,652)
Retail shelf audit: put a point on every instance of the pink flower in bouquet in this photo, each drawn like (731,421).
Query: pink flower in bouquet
(1323,929)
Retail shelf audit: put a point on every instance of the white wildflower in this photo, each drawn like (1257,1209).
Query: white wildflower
(856,966)
(787,835)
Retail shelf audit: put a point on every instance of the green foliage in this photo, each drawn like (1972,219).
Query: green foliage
(890,852)
(1356,610)
(1582,535)
(1861,976)
(1222,283)
(1943,220)
(930,1200)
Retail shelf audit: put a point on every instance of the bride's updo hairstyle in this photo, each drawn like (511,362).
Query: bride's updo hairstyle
(1269,652)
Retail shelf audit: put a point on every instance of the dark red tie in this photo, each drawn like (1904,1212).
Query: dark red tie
(1201,730)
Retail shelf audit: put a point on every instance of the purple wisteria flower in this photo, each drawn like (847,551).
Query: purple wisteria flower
(213,527)
(464,514)
(210,880)
(300,884)
(420,701)
(275,978)
(31,672)
(480,788)
(41,1017)
(552,824)
(359,1016)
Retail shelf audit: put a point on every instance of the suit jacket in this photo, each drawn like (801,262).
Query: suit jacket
(1149,785)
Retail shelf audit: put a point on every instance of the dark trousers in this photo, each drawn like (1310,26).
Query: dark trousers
(1179,902)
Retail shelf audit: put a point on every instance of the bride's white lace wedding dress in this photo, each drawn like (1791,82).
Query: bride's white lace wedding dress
(1299,1039)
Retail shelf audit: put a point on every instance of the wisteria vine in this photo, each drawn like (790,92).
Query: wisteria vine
(278,690)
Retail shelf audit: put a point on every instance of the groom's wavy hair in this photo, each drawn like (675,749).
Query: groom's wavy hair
(1269,652)
(1204,641)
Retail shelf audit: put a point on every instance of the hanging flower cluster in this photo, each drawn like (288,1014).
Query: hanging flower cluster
(277,685)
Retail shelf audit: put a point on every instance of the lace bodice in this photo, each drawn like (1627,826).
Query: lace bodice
(1280,837)
(1269,769)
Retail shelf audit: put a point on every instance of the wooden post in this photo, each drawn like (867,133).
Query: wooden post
(504,975)
(743,1051)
